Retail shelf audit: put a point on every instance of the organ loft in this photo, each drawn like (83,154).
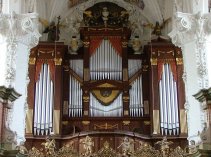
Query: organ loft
(107,84)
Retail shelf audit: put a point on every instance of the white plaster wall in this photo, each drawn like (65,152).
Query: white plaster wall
(193,106)
(18,123)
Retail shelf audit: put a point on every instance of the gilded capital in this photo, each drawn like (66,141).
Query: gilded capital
(32,61)
(58,61)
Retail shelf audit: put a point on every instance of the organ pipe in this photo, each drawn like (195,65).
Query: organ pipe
(75,98)
(168,103)
(43,112)
(105,63)
(133,66)
(114,109)
(136,99)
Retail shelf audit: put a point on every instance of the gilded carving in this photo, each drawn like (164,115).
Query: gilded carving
(147,123)
(85,122)
(105,126)
(126,113)
(86,98)
(58,61)
(126,122)
(179,61)
(32,61)
(86,44)
(88,145)
(154,61)
(124,44)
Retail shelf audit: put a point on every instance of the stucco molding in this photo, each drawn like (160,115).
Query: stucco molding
(14,29)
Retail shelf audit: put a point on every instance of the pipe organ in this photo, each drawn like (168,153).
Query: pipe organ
(43,107)
(106,87)
(168,102)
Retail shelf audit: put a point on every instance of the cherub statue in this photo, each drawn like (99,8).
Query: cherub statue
(164,144)
(50,146)
(127,147)
(87,144)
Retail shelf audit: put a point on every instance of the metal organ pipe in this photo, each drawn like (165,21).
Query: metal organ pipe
(75,93)
(105,63)
(168,103)
(43,112)
(136,99)
(133,66)
(114,109)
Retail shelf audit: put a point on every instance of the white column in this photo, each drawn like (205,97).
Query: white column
(191,33)
(18,34)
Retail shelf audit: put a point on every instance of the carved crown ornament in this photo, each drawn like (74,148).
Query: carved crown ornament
(126,149)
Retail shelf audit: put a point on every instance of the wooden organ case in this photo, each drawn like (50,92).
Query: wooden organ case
(105,90)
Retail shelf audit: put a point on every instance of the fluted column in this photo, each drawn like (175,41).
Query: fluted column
(192,32)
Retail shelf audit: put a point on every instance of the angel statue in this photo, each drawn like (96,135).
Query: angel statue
(164,144)
(87,144)
(50,146)
(127,147)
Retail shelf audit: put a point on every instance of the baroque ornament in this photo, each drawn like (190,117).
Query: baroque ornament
(17,28)
(197,27)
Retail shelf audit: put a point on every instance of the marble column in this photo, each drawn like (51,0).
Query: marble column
(191,32)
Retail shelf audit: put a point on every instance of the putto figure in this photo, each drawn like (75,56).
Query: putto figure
(88,145)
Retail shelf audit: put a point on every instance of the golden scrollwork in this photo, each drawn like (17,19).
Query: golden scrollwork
(32,61)
(147,123)
(127,149)
(58,61)
(126,122)
(154,61)
(124,44)
(179,61)
(86,98)
(86,44)
(105,126)
(85,122)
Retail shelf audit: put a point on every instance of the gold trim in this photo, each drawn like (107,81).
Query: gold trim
(183,122)
(56,122)
(106,100)
(154,61)
(58,61)
(126,113)
(156,122)
(126,122)
(32,61)
(85,122)
(126,98)
(105,126)
(86,44)
(29,120)
(86,113)
(86,98)
(124,44)
(179,61)
(147,123)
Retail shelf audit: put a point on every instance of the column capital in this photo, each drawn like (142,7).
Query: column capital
(20,28)
(8,94)
(194,28)
(203,95)
(189,27)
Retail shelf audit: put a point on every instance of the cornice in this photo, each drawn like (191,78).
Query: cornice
(8,94)
(203,95)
